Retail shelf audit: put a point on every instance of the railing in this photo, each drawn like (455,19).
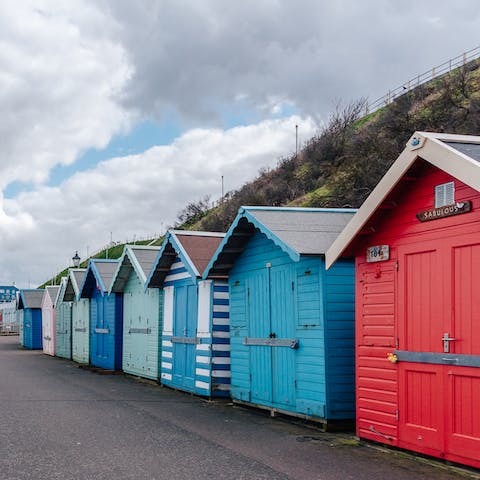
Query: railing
(133,240)
(9,328)
(8,318)
(427,76)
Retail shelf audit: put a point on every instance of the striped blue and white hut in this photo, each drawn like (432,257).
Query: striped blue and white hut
(196,333)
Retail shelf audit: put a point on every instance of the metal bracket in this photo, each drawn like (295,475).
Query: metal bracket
(81,329)
(140,330)
(188,340)
(458,360)
(102,330)
(272,342)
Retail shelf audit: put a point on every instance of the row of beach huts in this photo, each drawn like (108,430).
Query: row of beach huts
(328,314)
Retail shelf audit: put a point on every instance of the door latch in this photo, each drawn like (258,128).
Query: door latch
(446,342)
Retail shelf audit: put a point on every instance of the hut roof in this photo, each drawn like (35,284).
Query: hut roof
(99,273)
(61,291)
(297,231)
(30,298)
(137,258)
(51,292)
(74,282)
(457,155)
(194,248)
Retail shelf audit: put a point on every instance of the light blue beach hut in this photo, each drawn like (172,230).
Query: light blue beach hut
(195,338)
(63,323)
(141,311)
(106,314)
(80,316)
(291,321)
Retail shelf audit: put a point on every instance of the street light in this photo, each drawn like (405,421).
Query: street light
(76,260)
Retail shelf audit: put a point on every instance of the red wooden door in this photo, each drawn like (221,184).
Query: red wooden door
(438,296)
(420,327)
(462,416)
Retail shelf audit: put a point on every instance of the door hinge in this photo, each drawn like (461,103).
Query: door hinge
(293,286)
(397,415)
(396,343)
(396,265)
(248,292)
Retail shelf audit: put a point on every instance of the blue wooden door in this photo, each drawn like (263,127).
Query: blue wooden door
(282,325)
(184,335)
(99,329)
(258,309)
(27,329)
(271,313)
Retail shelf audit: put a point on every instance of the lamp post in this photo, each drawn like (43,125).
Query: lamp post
(76,260)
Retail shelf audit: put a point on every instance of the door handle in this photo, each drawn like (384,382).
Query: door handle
(446,339)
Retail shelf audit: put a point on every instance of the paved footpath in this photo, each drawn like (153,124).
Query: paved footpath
(59,421)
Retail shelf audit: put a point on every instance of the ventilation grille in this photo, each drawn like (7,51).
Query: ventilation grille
(444,194)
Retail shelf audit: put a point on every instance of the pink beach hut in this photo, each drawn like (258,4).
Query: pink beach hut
(48,319)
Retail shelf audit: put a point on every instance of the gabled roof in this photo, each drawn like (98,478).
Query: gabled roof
(297,231)
(457,155)
(137,258)
(51,292)
(30,298)
(74,282)
(99,272)
(195,249)
(61,291)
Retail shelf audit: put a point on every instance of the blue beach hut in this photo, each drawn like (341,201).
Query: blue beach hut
(291,321)
(30,303)
(195,337)
(141,311)
(106,315)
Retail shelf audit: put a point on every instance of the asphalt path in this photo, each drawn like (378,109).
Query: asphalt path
(59,421)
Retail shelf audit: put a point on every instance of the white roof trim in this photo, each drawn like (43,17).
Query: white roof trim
(63,284)
(71,277)
(432,149)
(130,255)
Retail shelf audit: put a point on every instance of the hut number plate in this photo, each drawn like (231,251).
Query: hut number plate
(378,253)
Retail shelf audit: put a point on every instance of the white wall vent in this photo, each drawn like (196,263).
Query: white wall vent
(444,194)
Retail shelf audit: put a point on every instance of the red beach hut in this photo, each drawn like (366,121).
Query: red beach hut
(416,242)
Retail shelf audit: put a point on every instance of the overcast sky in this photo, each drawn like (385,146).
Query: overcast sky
(116,113)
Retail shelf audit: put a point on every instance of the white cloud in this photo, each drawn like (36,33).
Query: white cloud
(198,58)
(134,195)
(59,76)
